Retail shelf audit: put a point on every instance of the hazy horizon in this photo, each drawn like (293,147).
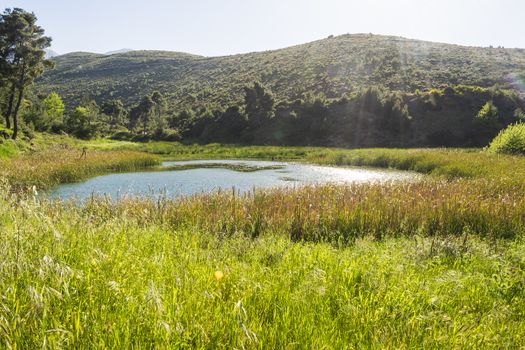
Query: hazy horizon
(230,27)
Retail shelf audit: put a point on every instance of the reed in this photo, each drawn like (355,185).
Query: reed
(339,214)
(438,162)
(56,165)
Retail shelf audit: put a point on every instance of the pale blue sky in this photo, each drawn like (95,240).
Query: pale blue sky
(223,27)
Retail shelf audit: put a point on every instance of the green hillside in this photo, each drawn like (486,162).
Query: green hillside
(334,66)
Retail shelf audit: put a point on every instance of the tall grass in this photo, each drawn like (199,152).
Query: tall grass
(57,165)
(8,149)
(439,162)
(438,263)
(143,274)
(340,214)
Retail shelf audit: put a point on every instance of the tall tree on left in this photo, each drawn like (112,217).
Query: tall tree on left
(22,58)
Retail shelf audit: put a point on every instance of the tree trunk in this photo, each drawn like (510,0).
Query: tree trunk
(11,99)
(10,107)
(15,114)
(20,95)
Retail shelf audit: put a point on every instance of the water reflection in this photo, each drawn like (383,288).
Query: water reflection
(191,181)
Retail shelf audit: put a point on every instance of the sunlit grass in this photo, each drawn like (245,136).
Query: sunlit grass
(437,263)
(61,164)
(8,149)
(132,275)
(441,162)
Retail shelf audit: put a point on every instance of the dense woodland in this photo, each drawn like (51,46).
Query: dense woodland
(347,91)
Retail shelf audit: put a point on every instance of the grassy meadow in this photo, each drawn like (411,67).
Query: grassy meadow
(438,263)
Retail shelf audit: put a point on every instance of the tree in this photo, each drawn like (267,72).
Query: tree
(160,103)
(22,57)
(394,124)
(7,88)
(259,104)
(3,98)
(159,120)
(81,122)
(182,121)
(53,111)
(233,122)
(146,110)
(116,112)
(487,122)
(489,112)
(133,117)
(308,122)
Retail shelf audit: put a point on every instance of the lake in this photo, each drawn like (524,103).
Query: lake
(193,177)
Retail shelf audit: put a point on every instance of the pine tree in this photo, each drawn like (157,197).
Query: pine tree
(22,57)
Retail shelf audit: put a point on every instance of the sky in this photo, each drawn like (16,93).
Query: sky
(225,27)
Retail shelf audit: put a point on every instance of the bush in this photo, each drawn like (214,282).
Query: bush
(171,135)
(510,140)
(122,136)
(9,148)
(5,133)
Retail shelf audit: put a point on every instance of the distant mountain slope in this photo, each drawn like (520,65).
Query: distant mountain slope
(334,66)
(117,51)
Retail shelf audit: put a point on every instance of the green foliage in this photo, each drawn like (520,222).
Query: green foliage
(488,112)
(22,57)
(331,66)
(115,112)
(259,104)
(372,117)
(81,122)
(149,115)
(47,114)
(436,92)
(54,106)
(510,140)
(8,148)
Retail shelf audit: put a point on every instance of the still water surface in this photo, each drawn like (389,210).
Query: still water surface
(186,182)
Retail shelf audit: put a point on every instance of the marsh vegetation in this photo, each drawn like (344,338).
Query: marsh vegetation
(435,263)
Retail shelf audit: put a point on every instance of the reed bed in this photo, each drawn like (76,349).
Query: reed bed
(338,214)
(57,165)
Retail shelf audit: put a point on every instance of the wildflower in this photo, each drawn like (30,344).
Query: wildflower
(218,275)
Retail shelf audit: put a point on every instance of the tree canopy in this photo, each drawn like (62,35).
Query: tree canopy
(22,58)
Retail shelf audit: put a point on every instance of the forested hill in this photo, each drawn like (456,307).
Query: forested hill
(333,66)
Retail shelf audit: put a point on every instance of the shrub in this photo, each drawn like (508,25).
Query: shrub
(510,140)
(488,112)
(122,136)
(171,135)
